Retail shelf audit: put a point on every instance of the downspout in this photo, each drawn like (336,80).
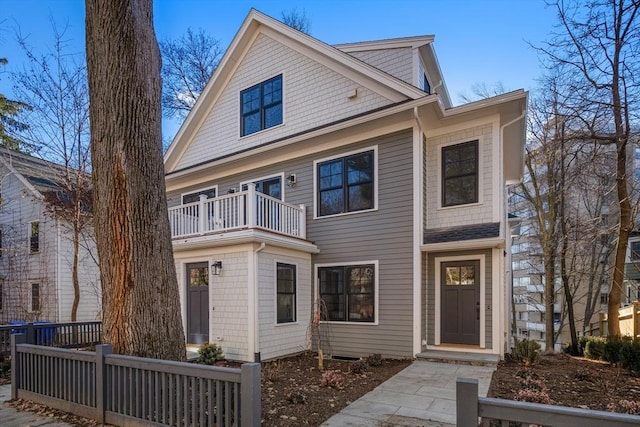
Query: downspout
(256,325)
(418,221)
(58,281)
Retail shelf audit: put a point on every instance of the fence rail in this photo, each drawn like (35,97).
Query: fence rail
(628,318)
(66,334)
(126,390)
(503,412)
(249,209)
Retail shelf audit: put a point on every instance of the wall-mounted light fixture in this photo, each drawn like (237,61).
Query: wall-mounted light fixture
(291,180)
(216,268)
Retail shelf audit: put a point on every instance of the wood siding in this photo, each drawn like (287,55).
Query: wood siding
(313,95)
(482,212)
(398,62)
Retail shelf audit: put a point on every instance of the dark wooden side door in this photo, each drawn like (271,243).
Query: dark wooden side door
(198,303)
(460,302)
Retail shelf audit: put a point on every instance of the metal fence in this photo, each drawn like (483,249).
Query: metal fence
(126,390)
(66,335)
(502,412)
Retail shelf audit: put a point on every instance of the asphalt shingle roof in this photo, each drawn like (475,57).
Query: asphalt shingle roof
(462,232)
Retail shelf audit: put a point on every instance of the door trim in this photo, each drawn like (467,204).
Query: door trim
(437,295)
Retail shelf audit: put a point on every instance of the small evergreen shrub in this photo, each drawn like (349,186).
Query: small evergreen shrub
(613,348)
(594,349)
(375,360)
(527,351)
(209,354)
(358,367)
(296,396)
(630,355)
(572,349)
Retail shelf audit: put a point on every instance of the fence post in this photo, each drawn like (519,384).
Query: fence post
(31,334)
(467,402)
(250,394)
(15,363)
(102,350)
(635,318)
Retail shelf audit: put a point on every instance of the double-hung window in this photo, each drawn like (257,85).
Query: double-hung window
(346,184)
(460,174)
(261,106)
(35,297)
(348,292)
(34,237)
(195,196)
(286,293)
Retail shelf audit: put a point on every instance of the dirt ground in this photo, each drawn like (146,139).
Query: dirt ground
(293,393)
(568,381)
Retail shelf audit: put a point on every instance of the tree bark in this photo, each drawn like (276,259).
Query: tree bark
(141,305)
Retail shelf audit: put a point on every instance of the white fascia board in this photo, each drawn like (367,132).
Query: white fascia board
(21,178)
(241,237)
(493,242)
(408,42)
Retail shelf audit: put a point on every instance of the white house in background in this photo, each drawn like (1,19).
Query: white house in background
(343,174)
(36,250)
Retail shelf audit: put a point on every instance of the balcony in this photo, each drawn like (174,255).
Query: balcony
(244,210)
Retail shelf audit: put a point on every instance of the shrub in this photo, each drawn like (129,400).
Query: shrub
(612,348)
(533,390)
(573,349)
(527,351)
(594,349)
(331,379)
(630,355)
(375,360)
(296,397)
(358,367)
(209,354)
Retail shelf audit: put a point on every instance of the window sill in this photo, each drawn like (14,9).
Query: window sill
(338,322)
(346,213)
(278,325)
(466,205)
(261,131)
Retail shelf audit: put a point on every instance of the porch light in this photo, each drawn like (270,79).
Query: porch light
(216,268)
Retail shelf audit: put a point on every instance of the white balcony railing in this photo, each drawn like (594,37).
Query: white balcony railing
(247,209)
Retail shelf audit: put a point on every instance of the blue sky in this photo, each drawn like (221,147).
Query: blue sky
(477,41)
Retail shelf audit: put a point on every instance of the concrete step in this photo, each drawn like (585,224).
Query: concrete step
(460,357)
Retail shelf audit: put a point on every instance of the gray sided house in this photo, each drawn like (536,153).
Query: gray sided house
(36,245)
(335,192)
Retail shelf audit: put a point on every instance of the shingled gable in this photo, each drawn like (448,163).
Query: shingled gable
(463,232)
(364,74)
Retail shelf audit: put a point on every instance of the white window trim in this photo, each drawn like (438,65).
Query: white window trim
(262,178)
(198,191)
(284,110)
(481,147)
(275,289)
(376,295)
(373,148)
(437,297)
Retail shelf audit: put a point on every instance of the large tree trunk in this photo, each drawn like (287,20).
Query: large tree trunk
(141,305)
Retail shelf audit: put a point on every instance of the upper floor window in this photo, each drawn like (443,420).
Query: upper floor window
(635,250)
(346,184)
(195,196)
(286,293)
(261,106)
(35,297)
(460,174)
(349,292)
(34,237)
(425,84)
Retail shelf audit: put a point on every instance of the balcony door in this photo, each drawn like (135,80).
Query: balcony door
(198,303)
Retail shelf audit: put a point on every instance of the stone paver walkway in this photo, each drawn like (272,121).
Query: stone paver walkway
(423,394)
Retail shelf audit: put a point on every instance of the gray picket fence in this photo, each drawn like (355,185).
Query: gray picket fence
(134,391)
(63,334)
(505,413)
